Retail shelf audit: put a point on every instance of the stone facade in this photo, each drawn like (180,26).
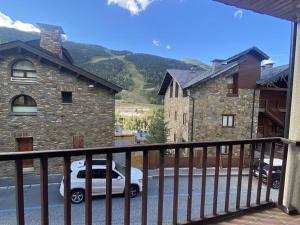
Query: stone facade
(178,130)
(51,41)
(212,101)
(91,114)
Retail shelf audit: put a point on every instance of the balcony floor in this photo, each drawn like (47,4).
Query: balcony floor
(273,216)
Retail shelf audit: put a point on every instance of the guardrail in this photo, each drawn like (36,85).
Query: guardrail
(205,147)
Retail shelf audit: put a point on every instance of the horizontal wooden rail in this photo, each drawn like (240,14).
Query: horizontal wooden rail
(237,148)
(134,148)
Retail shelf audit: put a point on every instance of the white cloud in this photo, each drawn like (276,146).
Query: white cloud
(133,6)
(168,47)
(238,14)
(6,21)
(156,43)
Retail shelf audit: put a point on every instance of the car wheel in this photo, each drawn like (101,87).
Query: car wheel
(77,196)
(276,184)
(134,190)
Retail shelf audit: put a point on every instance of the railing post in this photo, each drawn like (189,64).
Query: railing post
(270,172)
(176,181)
(190,185)
(19,192)
(216,182)
(240,175)
(161,187)
(127,189)
(203,184)
(108,200)
(249,190)
(44,191)
(145,188)
(67,192)
(261,163)
(227,195)
(88,189)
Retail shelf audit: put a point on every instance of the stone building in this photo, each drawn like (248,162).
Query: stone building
(221,103)
(47,102)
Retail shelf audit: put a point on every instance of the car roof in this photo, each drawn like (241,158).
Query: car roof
(96,164)
(276,162)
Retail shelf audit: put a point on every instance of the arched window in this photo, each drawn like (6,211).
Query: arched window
(23,69)
(24,104)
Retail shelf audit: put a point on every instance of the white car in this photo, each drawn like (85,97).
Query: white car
(99,180)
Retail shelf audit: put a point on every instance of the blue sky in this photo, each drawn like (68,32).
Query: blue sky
(199,29)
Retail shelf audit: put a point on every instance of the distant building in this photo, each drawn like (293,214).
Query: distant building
(225,102)
(47,103)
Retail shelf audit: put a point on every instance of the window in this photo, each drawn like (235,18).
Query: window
(228,120)
(175,138)
(224,149)
(171,90)
(232,85)
(66,97)
(175,116)
(23,69)
(24,104)
(185,93)
(184,118)
(176,90)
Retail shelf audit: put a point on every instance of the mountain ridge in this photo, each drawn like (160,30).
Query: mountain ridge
(138,73)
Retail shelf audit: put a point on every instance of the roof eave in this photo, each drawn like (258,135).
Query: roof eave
(62,63)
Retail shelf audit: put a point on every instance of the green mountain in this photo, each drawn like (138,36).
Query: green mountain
(139,74)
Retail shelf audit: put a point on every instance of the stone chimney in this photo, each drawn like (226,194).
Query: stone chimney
(268,65)
(51,38)
(216,63)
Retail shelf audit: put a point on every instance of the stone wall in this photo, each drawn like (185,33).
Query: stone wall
(180,105)
(212,102)
(91,114)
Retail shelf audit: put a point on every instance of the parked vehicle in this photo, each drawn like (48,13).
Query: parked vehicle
(99,180)
(276,171)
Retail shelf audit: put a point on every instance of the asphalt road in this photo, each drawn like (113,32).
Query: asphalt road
(32,202)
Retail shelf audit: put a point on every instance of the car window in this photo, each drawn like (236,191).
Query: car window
(276,168)
(98,174)
(120,168)
(81,174)
(115,175)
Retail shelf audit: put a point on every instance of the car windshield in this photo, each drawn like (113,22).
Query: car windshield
(120,168)
(275,168)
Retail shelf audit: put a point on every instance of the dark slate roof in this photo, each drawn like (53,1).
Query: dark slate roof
(51,28)
(254,51)
(42,53)
(272,74)
(211,73)
(184,76)
(188,78)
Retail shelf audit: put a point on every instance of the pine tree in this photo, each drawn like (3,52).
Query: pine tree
(158,130)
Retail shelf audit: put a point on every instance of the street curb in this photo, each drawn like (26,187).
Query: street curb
(149,177)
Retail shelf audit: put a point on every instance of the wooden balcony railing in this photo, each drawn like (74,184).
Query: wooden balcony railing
(205,147)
